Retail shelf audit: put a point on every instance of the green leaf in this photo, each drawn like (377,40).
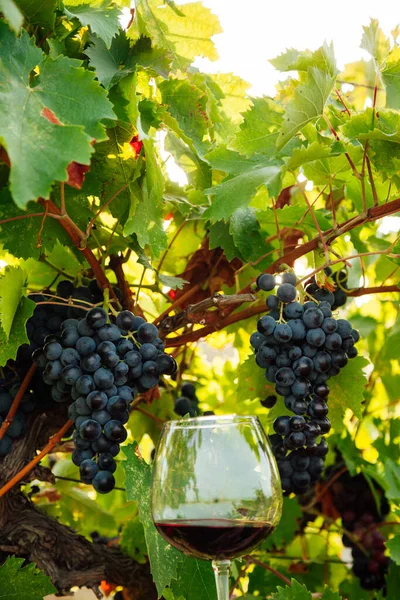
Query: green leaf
(109,62)
(164,559)
(12,14)
(308,104)
(287,527)
(293,60)
(195,580)
(305,154)
(12,290)
(25,110)
(133,540)
(391,78)
(220,237)
(347,391)
(237,192)
(329,594)
(175,283)
(9,344)
(375,42)
(259,130)
(252,384)
(187,104)
(392,479)
(184,37)
(229,161)
(246,234)
(146,222)
(367,126)
(38,12)
(100,16)
(393,581)
(17,582)
(393,546)
(295,592)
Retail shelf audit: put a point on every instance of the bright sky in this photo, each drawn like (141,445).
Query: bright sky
(256,30)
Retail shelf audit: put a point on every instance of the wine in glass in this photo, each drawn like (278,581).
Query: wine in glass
(216,491)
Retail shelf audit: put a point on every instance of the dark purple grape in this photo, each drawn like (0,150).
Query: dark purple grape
(286,293)
(266,325)
(266,282)
(103,482)
(282,425)
(96,318)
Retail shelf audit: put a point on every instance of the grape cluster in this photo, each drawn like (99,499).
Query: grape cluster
(47,318)
(361,513)
(102,366)
(9,387)
(300,346)
(337,297)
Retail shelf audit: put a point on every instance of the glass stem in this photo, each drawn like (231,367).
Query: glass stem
(222,570)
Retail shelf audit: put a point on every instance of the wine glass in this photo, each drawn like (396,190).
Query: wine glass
(216,492)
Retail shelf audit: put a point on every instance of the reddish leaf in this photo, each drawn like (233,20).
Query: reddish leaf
(76,174)
(136,145)
(50,116)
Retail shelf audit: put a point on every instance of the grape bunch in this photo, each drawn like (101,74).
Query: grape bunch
(47,318)
(102,366)
(300,346)
(361,511)
(337,297)
(9,387)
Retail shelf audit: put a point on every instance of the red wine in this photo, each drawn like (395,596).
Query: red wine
(214,538)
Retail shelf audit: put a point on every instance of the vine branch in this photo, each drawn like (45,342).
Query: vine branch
(17,401)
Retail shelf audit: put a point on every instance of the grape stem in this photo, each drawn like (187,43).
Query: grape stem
(53,441)
(263,565)
(17,401)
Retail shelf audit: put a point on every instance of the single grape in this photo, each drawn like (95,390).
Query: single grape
(286,293)
(295,353)
(321,390)
(103,378)
(103,482)
(101,416)
(70,356)
(289,278)
(124,346)
(70,374)
(78,456)
(105,347)
(309,351)
(300,461)
(297,439)
(343,328)
(65,289)
(317,408)
(329,325)
(298,329)
(147,332)
(266,325)
(339,359)
(97,400)
(270,373)
(53,370)
(303,366)
(352,352)
(107,463)
(88,469)
(109,333)
(69,337)
(84,328)
(301,387)
(301,480)
(96,318)
(85,345)
(52,351)
(90,430)
(148,352)
(166,364)
(316,337)
(266,282)
(81,407)
(115,431)
(322,362)
(110,360)
(285,376)
(125,320)
(79,442)
(313,318)
(116,405)
(299,407)
(283,333)
(272,302)
(282,425)
(285,468)
(85,385)
(297,423)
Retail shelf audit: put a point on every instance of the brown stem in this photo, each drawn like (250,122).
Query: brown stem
(53,441)
(347,155)
(103,207)
(77,236)
(181,300)
(17,401)
(314,218)
(257,562)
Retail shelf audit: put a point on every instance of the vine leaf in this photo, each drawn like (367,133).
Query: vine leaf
(247,235)
(393,546)
(308,104)
(237,192)
(251,381)
(195,580)
(306,154)
(346,391)
(300,592)
(102,17)
(375,42)
(367,126)
(12,289)
(391,78)
(259,130)
(23,582)
(185,34)
(294,60)
(38,13)
(146,222)
(12,14)
(164,559)
(287,527)
(46,113)
(9,346)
